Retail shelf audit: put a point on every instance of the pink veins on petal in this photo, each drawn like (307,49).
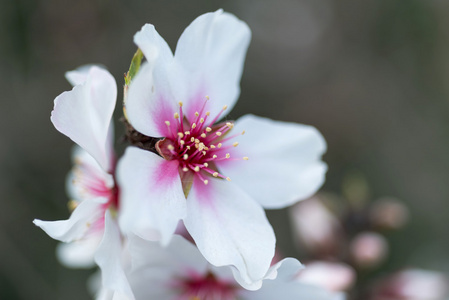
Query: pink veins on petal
(200,145)
(205,287)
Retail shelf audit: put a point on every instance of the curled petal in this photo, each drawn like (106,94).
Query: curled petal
(84,115)
(79,223)
(284,163)
(281,284)
(79,75)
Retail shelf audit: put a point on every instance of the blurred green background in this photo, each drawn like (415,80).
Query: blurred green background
(371,75)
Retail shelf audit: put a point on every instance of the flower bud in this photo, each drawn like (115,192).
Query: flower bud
(368,249)
(316,227)
(388,213)
(333,276)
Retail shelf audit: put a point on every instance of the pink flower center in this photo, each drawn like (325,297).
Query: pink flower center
(91,183)
(200,145)
(206,287)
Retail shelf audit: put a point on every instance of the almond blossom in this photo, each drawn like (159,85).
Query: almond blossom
(216,175)
(180,272)
(91,234)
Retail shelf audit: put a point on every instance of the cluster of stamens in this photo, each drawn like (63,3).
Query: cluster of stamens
(200,145)
(91,184)
(205,287)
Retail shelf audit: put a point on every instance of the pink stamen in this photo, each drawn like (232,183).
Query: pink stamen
(217,116)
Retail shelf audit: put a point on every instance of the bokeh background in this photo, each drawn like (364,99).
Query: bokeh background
(371,75)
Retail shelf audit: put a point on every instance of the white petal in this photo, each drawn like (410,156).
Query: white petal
(80,253)
(150,101)
(230,228)
(178,256)
(284,163)
(153,46)
(210,55)
(79,223)
(109,259)
(157,269)
(284,286)
(84,115)
(151,198)
(79,75)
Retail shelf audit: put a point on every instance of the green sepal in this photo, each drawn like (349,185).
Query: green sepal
(134,67)
(187,181)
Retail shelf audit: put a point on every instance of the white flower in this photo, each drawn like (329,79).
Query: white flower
(180,272)
(181,98)
(91,234)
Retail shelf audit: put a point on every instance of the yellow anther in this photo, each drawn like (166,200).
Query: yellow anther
(219,145)
(212,146)
(245,158)
(228,155)
(200,146)
(206,165)
(225,107)
(188,147)
(204,152)
(185,169)
(201,120)
(88,224)
(72,204)
(197,169)
(180,103)
(180,134)
(207,113)
(193,125)
(230,125)
(208,129)
(171,147)
(185,156)
(176,115)
(187,132)
(192,139)
(243,132)
(203,135)
(218,133)
(182,142)
(215,174)
(167,123)
(207,97)
(214,156)
(206,182)
(235,144)
(228,179)
(196,114)
(197,141)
